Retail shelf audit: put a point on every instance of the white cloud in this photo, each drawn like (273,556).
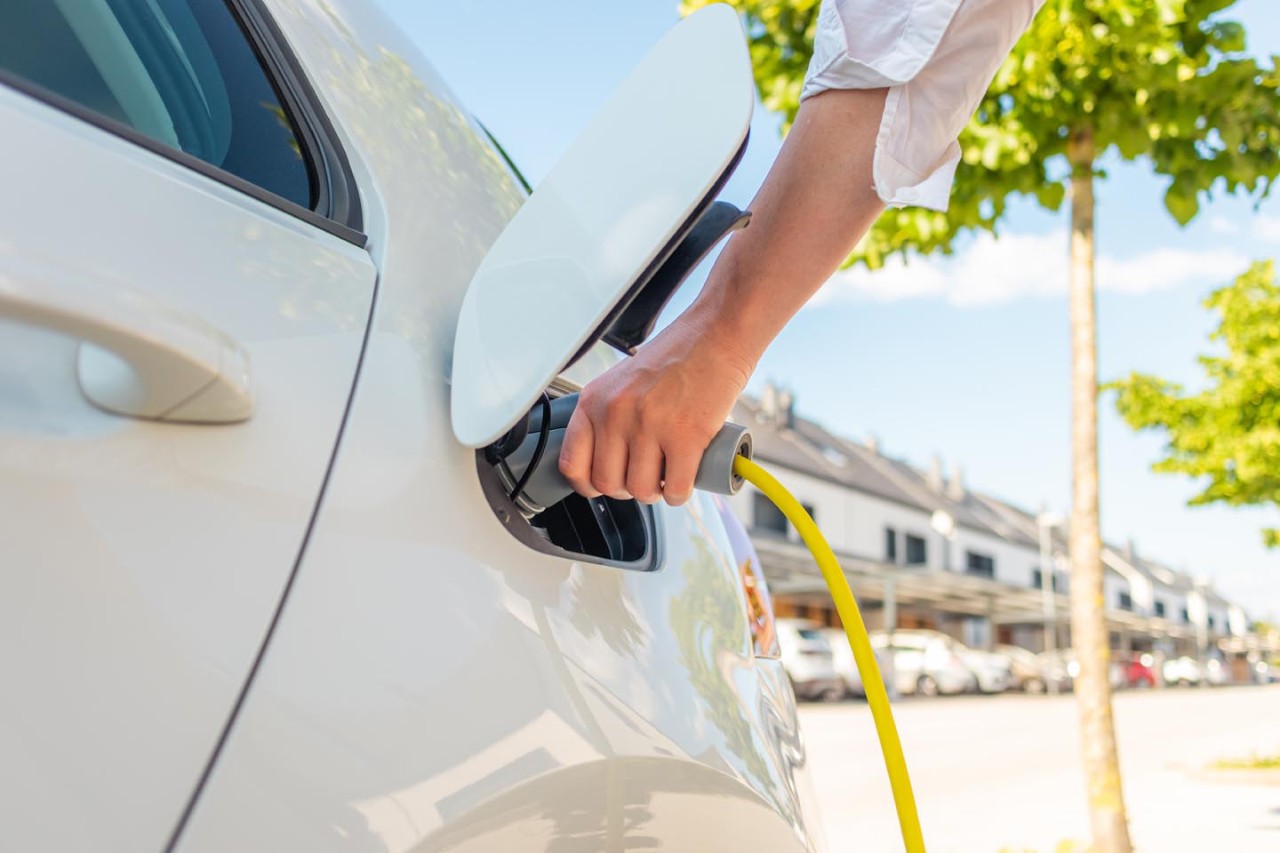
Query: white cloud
(1016,266)
(1219,224)
(1161,269)
(1266,228)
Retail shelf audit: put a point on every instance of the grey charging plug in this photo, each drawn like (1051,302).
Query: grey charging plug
(545,487)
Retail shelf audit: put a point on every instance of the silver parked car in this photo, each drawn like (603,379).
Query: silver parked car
(266,583)
(992,670)
(1030,673)
(1186,671)
(847,667)
(926,662)
(807,656)
(1060,665)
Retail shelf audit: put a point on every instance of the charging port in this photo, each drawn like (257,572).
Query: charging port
(547,516)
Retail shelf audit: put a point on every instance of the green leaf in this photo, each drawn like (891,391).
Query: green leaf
(1180,203)
(1157,80)
(1051,195)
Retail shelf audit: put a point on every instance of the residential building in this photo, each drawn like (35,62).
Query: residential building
(922,548)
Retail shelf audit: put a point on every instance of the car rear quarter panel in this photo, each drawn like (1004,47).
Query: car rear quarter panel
(432,683)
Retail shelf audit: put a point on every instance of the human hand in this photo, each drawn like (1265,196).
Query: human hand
(641,427)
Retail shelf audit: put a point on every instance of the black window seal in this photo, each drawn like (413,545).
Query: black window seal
(321,164)
(337,193)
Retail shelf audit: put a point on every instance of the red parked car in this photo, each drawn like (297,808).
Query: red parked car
(1138,671)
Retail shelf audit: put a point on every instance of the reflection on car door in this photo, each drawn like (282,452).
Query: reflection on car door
(143,560)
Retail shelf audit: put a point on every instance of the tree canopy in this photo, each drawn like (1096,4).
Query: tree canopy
(1162,80)
(1228,433)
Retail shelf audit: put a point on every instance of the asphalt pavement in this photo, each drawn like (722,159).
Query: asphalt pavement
(1003,773)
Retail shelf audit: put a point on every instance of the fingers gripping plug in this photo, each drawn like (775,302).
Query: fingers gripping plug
(545,487)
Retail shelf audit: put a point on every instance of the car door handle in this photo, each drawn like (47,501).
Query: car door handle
(137,356)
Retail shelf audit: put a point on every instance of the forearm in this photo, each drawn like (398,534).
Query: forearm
(816,203)
(641,428)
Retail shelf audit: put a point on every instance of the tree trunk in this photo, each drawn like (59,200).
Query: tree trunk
(1088,628)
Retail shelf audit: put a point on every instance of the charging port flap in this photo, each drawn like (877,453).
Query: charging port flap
(587,254)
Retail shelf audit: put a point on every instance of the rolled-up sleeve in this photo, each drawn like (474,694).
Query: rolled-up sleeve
(936,57)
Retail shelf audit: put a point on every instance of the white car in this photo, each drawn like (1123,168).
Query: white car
(1182,671)
(992,670)
(847,667)
(1186,671)
(1216,672)
(807,656)
(926,662)
(265,586)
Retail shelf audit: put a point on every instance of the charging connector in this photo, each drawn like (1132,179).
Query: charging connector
(544,486)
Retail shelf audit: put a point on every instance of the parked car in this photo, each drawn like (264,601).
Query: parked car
(1133,670)
(1216,672)
(1060,665)
(926,662)
(1030,673)
(992,670)
(1182,672)
(1140,671)
(1126,671)
(1266,672)
(265,586)
(847,667)
(807,657)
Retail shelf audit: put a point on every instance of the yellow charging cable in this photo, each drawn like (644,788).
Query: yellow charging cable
(865,657)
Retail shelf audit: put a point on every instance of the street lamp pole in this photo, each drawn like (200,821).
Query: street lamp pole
(1046,522)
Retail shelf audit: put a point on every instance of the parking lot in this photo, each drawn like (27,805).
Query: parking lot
(1003,773)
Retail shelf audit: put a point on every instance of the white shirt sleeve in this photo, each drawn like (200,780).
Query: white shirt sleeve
(937,58)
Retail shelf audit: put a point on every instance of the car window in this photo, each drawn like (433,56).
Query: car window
(181,72)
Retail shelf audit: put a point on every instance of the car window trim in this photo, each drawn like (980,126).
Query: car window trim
(337,193)
(323,156)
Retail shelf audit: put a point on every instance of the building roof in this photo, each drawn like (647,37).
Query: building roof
(783,437)
(806,446)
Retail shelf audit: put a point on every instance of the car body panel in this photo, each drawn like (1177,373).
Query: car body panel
(433,683)
(145,560)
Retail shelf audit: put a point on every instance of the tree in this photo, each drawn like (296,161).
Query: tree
(1228,433)
(1164,81)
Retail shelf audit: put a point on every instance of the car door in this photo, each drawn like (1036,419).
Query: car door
(183,303)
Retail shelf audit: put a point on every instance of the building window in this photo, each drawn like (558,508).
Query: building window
(917,553)
(1160,609)
(1037,580)
(1211,623)
(1186,617)
(980,564)
(1126,601)
(765,517)
(890,545)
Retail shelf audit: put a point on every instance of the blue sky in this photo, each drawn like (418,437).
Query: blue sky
(966,358)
